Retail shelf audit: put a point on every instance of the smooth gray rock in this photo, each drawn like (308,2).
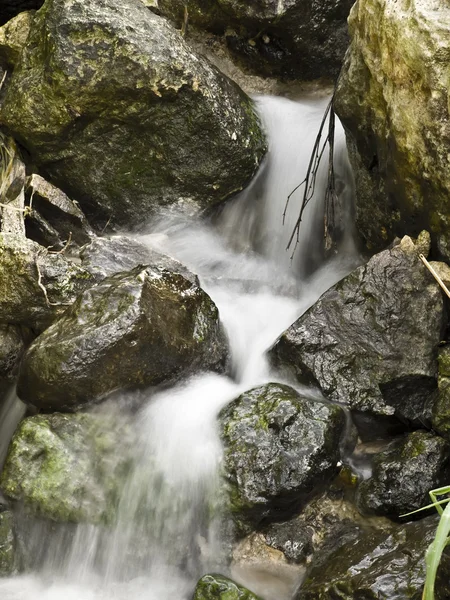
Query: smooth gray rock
(124,117)
(370,342)
(139,328)
(279,449)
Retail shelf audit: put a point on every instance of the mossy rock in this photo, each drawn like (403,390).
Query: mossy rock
(67,468)
(392,97)
(218,587)
(166,128)
(9,552)
(280,448)
(134,329)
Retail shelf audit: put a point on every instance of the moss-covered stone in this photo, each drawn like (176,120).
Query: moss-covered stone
(279,449)
(10,8)
(139,328)
(122,115)
(13,37)
(371,340)
(403,474)
(293,39)
(26,268)
(392,97)
(218,587)
(441,406)
(68,468)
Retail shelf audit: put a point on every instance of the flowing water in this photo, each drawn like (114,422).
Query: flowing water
(166,536)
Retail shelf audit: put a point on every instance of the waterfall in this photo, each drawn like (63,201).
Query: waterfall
(169,517)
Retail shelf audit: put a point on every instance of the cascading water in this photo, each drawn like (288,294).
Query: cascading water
(166,536)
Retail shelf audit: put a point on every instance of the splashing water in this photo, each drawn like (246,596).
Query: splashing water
(167,534)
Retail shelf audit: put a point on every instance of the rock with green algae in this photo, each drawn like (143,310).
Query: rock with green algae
(9,555)
(280,448)
(36,285)
(124,117)
(134,329)
(13,37)
(67,468)
(371,340)
(440,417)
(376,565)
(292,39)
(403,474)
(392,97)
(219,587)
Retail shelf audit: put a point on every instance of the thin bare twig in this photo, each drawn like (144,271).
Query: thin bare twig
(64,248)
(44,290)
(435,275)
(3,79)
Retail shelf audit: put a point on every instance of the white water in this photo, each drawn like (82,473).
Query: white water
(164,539)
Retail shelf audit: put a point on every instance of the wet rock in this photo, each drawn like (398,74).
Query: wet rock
(139,328)
(293,39)
(377,565)
(218,587)
(11,8)
(392,97)
(106,256)
(279,448)
(11,349)
(37,286)
(9,557)
(167,129)
(13,37)
(54,219)
(404,473)
(371,340)
(440,417)
(67,468)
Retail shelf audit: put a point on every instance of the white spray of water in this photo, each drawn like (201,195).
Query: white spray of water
(165,537)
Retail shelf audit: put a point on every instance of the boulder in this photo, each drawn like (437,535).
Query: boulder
(67,468)
(11,8)
(403,474)
(292,39)
(382,565)
(440,413)
(280,448)
(13,37)
(37,285)
(139,328)
(370,342)
(218,587)
(9,556)
(392,97)
(107,256)
(124,117)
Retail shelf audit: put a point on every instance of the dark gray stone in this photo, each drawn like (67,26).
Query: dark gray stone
(403,474)
(279,449)
(138,328)
(370,342)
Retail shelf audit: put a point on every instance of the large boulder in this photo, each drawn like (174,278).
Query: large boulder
(280,448)
(292,39)
(67,468)
(377,564)
(404,473)
(370,342)
(392,97)
(37,285)
(138,328)
(124,117)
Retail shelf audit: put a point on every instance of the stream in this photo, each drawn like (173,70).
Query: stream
(165,537)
